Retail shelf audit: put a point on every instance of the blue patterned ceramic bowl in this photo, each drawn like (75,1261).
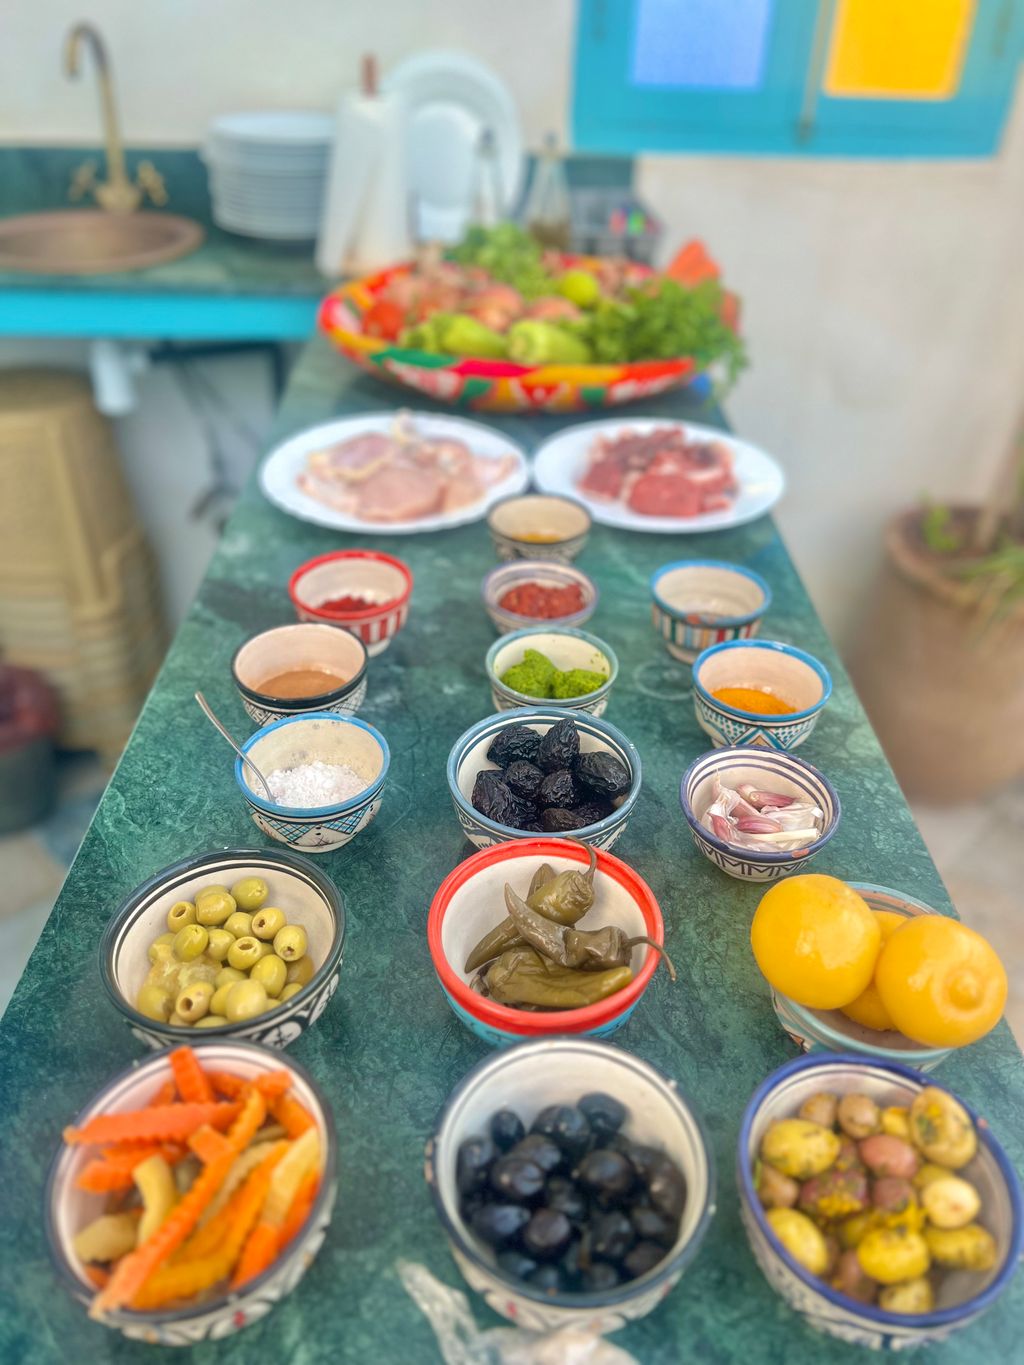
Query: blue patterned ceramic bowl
(787,672)
(302,646)
(696,603)
(832,1031)
(962,1296)
(68,1209)
(560,1071)
(469,757)
(512,520)
(297,887)
(547,572)
(566,649)
(768,770)
(306,739)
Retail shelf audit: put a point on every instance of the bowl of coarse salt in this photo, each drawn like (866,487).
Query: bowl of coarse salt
(326,775)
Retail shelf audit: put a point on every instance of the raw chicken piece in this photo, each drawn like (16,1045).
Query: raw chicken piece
(401,493)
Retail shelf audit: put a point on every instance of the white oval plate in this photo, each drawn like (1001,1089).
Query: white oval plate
(281,468)
(560,461)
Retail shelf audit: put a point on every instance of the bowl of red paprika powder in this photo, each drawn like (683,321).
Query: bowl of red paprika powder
(365,592)
(533,592)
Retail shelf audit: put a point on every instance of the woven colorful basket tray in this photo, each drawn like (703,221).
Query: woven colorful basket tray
(489,385)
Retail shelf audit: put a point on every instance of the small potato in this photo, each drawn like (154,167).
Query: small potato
(951,1202)
(850,1279)
(798,1148)
(885,1155)
(941,1128)
(890,1255)
(969,1248)
(858,1116)
(929,1172)
(896,1121)
(849,1157)
(775,1190)
(801,1238)
(893,1194)
(852,1231)
(820,1108)
(835,1194)
(910,1296)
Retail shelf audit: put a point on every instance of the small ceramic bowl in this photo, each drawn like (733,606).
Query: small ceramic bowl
(701,602)
(306,896)
(277,651)
(469,903)
(550,574)
(526,1079)
(784,670)
(962,1297)
(833,1031)
(768,770)
(558,526)
(378,578)
(68,1209)
(566,649)
(469,757)
(326,738)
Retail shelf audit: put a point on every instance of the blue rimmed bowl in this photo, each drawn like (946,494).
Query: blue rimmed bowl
(786,672)
(547,572)
(526,1078)
(469,756)
(768,770)
(962,1296)
(696,603)
(305,739)
(566,649)
(833,1031)
(67,1209)
(296,886)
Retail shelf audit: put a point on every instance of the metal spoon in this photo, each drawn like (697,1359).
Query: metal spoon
(208,711)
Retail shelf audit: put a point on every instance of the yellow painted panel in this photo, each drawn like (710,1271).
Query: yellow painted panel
(898,49)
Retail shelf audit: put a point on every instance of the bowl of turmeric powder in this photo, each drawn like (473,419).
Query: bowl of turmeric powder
(538,526)
(759,693)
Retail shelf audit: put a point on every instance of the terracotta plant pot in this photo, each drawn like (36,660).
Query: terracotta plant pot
(940,679)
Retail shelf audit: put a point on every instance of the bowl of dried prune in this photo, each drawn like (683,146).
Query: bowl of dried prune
(574,1183)
(545,936)
(543,770)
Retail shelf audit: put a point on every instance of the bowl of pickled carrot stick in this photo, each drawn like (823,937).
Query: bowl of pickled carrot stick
(758,693)
(192,1192)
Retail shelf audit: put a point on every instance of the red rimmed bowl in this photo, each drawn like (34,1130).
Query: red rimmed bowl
(379,578)
(469,903)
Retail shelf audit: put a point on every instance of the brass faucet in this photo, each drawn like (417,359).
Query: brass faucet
(116,194)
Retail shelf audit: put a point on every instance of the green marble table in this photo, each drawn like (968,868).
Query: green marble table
(388,1050)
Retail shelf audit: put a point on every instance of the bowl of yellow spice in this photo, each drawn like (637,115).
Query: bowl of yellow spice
(538,526)
(759,693)
(555,664)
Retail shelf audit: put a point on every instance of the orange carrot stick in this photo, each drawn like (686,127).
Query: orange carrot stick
(193,1084)
(293,1117)
(271,1083)
(167,1093)
(296,1216)
(208,1144)
(114,1171)
(259,1252)
(133,1271)
(152,1125)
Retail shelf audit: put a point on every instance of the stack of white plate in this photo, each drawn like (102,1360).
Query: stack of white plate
(267,172)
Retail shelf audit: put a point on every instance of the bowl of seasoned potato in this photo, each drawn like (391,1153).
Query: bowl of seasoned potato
(879,1206)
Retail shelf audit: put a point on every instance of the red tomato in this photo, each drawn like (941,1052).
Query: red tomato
(384,320)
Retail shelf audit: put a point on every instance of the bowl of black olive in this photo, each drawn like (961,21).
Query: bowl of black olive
(574,1183)
(543,770)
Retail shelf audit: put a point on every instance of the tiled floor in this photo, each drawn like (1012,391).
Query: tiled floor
(979,849)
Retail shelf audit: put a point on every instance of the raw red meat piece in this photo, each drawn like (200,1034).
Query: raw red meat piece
(664,495)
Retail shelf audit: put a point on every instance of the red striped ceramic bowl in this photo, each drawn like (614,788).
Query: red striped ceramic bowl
(381,580)
(470,902)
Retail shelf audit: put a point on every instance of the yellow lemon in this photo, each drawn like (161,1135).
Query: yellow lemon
(816,940)
(868,1009)
(942,984)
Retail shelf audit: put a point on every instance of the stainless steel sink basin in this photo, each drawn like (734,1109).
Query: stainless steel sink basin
(91,242)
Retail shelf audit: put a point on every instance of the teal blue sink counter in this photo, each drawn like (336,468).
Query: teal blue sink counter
(230,287)
(388,1050)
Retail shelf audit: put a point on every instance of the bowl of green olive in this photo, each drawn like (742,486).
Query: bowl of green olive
(234,943)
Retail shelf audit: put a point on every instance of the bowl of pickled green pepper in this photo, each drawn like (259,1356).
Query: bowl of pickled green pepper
(542,937)
(571,668)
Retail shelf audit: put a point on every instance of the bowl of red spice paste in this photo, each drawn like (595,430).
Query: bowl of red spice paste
(530,592)
(365,592)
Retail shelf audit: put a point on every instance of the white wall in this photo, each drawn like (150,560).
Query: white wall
(881,300)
